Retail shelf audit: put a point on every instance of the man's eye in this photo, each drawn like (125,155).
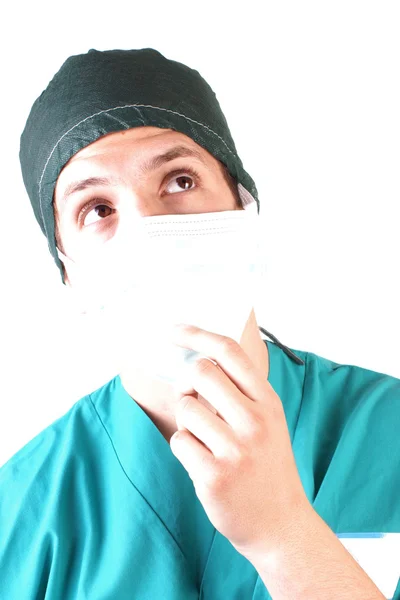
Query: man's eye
(182,175)
(85,211)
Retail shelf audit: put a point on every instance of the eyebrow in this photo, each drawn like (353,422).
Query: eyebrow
(149,165)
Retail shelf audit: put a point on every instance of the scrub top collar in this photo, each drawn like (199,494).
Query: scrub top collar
(143,452)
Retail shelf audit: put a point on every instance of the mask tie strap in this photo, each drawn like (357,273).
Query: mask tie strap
(287,350)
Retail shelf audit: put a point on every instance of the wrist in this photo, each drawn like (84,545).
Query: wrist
(285,539)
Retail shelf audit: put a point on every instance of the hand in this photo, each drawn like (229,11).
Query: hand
(240,459)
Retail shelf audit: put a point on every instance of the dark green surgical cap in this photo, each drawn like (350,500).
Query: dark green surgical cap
(100,92)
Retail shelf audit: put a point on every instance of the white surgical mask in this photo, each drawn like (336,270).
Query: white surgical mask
(200,269)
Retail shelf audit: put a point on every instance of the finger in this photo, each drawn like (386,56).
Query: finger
(206,426)
(196,458)
(213,384)
(206,403)
(229,356)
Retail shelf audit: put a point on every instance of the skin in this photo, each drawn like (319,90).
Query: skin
(119,154)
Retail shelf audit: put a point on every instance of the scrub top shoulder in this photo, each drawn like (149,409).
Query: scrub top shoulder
(345,431)
(96,505)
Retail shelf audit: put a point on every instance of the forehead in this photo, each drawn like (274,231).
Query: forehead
(138,139)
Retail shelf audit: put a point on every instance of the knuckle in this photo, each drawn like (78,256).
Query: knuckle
(255,426)
(222,476)
(258,418)
(213,478)
(236,454)
(203,365)
(230,346)
(184,403)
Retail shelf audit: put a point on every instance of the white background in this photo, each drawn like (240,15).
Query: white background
(311,94)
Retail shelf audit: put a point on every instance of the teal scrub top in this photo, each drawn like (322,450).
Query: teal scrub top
(96,506)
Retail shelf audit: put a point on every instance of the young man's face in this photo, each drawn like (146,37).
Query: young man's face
(134,191)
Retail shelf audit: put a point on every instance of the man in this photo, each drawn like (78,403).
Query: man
(278,453)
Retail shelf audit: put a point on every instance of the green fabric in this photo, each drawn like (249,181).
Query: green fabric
(96,505)
(100,92)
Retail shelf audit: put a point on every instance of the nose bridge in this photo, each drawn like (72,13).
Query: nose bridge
(140,190)
(141,200)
